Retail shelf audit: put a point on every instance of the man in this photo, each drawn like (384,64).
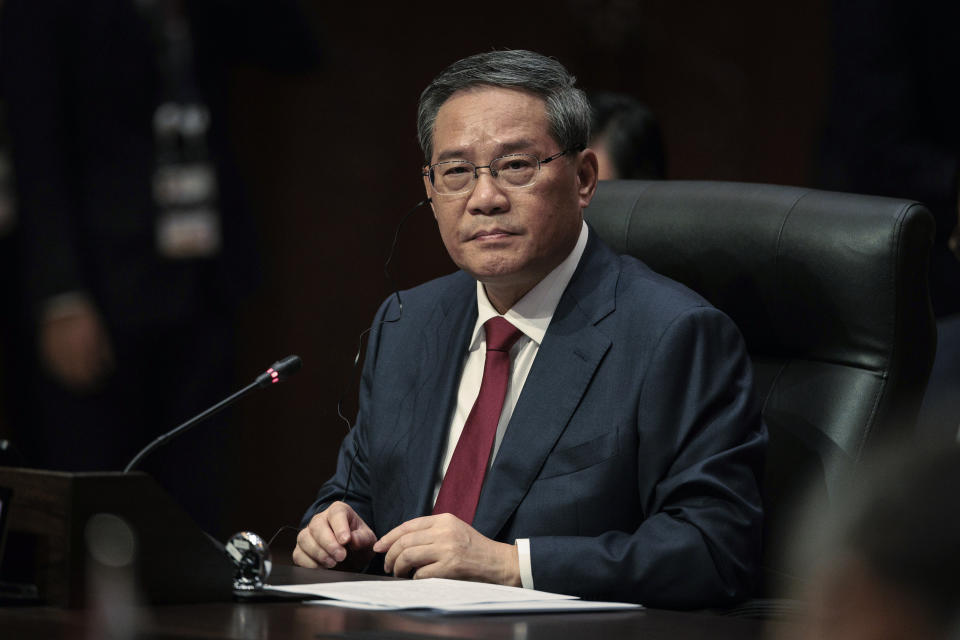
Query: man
(623,462)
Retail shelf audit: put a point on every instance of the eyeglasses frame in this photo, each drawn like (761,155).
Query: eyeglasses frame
(428,172)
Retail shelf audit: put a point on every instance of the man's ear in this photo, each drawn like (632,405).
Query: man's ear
(587,172)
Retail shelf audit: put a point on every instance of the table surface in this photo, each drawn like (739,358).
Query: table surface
(279,620)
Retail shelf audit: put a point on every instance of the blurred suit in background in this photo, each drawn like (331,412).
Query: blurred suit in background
(135,241)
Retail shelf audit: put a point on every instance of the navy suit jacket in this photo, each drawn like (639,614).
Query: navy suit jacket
(632,458)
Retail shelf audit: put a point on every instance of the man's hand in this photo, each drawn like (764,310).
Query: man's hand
(74,345)
(337,536)
(443,546)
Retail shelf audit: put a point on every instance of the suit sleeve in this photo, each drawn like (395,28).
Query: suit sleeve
(353,453)
(698,541)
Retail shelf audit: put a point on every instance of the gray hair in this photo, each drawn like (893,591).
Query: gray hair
(568,109)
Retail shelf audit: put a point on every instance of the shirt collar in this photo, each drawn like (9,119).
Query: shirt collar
(533,312)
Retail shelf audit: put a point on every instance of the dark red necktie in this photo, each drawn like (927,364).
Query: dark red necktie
(460,489)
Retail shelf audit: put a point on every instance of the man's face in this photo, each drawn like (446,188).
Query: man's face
(508,239)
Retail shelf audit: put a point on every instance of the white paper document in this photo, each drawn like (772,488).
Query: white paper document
(445,596)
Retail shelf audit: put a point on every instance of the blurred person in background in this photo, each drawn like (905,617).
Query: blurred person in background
(135,241)
(884,560)
(626,138)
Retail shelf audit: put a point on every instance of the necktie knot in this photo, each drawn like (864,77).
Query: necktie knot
(501,335)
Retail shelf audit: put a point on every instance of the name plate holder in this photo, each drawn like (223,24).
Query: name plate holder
(173,560)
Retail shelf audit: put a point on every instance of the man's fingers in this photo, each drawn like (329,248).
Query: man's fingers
(325,538)
(342,520)
(311,554)
(404,545)
(326,529)
(302,559)
(386,541)
(362,538)
(349,529)
(413,558)
(383,544)
(329,535)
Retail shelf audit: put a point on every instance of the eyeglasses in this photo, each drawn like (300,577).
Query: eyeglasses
(512,171)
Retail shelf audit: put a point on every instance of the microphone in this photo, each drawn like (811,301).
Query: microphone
(278,372)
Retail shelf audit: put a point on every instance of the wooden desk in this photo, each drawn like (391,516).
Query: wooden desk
(281,620)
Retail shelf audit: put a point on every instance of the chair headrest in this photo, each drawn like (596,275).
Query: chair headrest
(803,273)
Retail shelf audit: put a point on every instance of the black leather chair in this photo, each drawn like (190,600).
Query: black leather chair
(830,293)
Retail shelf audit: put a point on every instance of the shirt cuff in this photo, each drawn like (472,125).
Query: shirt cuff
(523,554)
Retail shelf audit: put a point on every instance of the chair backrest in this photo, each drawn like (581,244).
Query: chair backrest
(830,292)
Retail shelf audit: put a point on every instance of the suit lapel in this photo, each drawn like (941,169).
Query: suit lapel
(571,351)
(445,340)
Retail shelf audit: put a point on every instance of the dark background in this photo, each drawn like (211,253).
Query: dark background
(331,162)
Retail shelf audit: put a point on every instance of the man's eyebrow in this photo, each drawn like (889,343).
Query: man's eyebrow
(514,146)
(451,154)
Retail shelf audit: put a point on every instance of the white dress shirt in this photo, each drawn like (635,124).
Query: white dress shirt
(532,315)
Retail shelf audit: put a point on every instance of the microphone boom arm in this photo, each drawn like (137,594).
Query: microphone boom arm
(163,439)
(276,373)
